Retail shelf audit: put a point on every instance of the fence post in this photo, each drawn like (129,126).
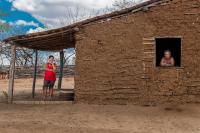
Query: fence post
(35,74)
(11,73)
(61,69)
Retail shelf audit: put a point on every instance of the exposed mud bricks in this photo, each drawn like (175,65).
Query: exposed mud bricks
(116,64)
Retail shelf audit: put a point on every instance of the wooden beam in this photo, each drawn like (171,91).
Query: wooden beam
(34,74)
(48,43)
(61,69)
(55,37)
(47,35)
(42,48)
(56,49)
(11,74)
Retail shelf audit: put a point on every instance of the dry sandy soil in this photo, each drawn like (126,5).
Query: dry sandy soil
(23,87)
(79,118)
(82,118)
(26,84)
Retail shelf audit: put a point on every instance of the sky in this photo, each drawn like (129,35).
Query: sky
(51,11)
(28,16)
(19,20)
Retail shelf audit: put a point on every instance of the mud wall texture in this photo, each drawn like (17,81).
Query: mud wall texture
(116,57)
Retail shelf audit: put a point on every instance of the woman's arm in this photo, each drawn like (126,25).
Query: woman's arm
(54,67)
(162,63)
(172,62)
(47,69)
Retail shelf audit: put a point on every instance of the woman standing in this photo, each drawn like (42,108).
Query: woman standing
(49,77)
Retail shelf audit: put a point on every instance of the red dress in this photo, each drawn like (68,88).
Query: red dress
(49,75)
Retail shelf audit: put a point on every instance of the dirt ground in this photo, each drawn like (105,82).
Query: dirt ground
(23,87)
(82,118)
(79,118)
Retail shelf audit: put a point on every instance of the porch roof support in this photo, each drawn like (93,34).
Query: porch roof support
(12,73)
(35,74)
(61,69)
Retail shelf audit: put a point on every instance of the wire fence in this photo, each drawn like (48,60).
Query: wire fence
(27,72)
(22,75)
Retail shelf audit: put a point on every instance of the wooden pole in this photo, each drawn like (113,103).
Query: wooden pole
(11,73)
(35,74)
(61,69)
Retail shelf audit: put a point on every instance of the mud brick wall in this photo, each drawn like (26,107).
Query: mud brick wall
(116,57)
(177,18)
(109,64)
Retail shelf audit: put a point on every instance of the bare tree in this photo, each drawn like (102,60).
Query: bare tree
(3,25)
(74,60)
(121,4)
(73,15)
(24,56)
(69,57)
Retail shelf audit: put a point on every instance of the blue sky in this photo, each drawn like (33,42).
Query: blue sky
(20,21)
(28,16)
(25,16)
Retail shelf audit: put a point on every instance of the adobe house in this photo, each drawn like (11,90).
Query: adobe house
(118,54)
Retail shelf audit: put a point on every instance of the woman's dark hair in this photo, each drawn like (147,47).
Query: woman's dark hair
(51,56)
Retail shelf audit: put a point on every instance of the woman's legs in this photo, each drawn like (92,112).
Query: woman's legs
(48,88)
(45,88)
(51,92)
(51,86)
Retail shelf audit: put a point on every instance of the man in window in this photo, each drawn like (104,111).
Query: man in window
(167,60)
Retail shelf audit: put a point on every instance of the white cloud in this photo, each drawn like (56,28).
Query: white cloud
(51,11)
(24,23)
(35,5)
(26,5)
(2,21)
(38,29)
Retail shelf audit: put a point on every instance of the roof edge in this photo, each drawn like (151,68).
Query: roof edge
(135,8)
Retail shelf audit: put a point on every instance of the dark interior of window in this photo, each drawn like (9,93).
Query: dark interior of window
(171,44)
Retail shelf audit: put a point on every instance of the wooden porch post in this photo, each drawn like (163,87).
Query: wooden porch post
(61,69)
(11,73)
(34,74)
